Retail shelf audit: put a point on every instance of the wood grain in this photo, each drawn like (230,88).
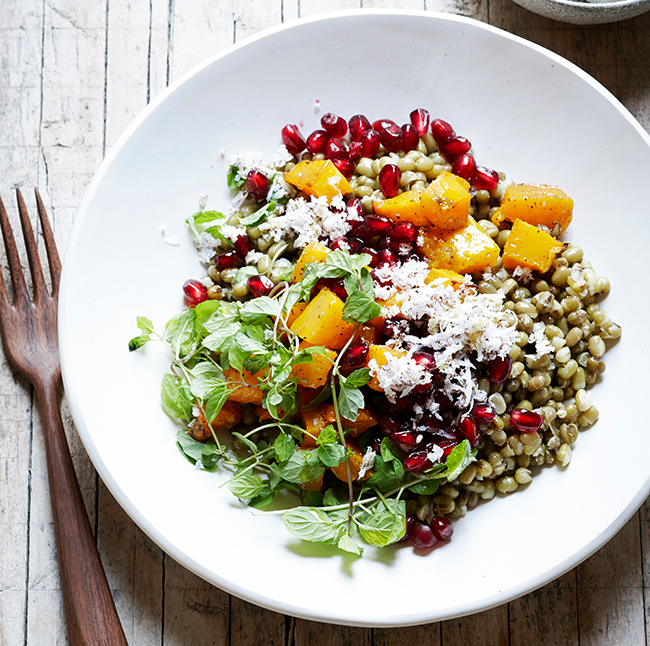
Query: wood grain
(72,77)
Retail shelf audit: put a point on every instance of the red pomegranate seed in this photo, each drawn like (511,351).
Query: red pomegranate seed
(316,141)
(424,359)
(339,290)
(410,523)
(441,527)
(464,166)
(389,177)
(422,536)
(356,354)
(335,125)
(406,440)
(346,166)
(484,413)
(369,143)
(388,425)
(388,257)
(355,244)
(354,151)
(260,285)
(485,178)
(339,244)
(258,185)
(358,124)
(392,137)
(374,255)
(243,244)
(441,131)
(411,139)
(355,207)
(470,431)
(384,280)
(228,260)
(374,225)
(525,421)
(195,291)
(420,119)
(447,446)
(455,147)
(380,124)
(335,148)
(404,232)
(499,368)
(292,139)
(417,461)
(393,329)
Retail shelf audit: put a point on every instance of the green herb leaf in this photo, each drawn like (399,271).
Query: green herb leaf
(425,488)
(384,525)
(316,525)
(348,544)
(144,324)
(358,378)
(350,401)
(331,455)
(360,308)
(259,309)
(206,376)
(460,456)
(284,447)
(204,217)
(176,398)
(189,447)
(302,466)
(328,435)
(259,216)
(180,333)
(215,232)
(246,485)
(234,180)
(216,401)
(137,342)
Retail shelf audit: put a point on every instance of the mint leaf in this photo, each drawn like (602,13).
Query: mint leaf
(137,342)
(284,447)
(180,332)
(460,456)
(203,217)
(259,308)
(331,455)
(348,544)
(215,232)
(246,485)
(144,324)
(206,376)
(233,179)
(328,435)
(302,466)
(189,447)
(384,525)
(216,401)
(350,401)
(259,216)
(358,378)
(360,308)
(316,525)
(176,398)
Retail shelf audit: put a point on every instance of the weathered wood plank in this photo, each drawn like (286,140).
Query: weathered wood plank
(483,629)
(427,635)
(254,626)
(311,633)
(644,528)
(251,17)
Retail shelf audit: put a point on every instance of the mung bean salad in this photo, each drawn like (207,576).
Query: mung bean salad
(386,329)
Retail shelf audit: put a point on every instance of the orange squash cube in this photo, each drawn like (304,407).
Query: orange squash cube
(355,459)
(314,374)
(313,422)
(528,246)
(444,277)
(228,417)
(405,207)
(535,204)
(365,419)
(248,392)
(463,251)
(318,178)
(380,353)
(322,322)
(446,201)
(313,252)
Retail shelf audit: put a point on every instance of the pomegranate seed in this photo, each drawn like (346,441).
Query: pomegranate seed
(385,242)
(387,256)
(464,166)
(380,124)
(499,368)
(260,285)
(484,413)
(441,131)
(417,461)
(525,421)
(421,536)
(441,527)
(404,439)
(228,260)
(444,403)
(374,255)
(411,139)
(195,291)
(485,178)
(292,139)
(334,125)
(354,151)
(393,329)
(375,444)
(355,244)
(455,147)
(355,207)
(356,354)
(374,225)
(339,244)
(243,244)
(358,125)
(346,166)
(388,425)
(420,119)
(470,431)
(424,359)
(404,232)
(392,137)
(389,177)
(379,274)
(258,185)
(335,148)
(316,141)
(410,523)
(339,290)
(369,143)
(447,446)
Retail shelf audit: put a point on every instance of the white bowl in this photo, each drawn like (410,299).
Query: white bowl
(586,12)
(529,113)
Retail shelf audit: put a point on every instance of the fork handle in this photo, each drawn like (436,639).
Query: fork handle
(90,613)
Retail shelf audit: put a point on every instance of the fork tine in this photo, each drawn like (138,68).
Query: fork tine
(50,245)
(4,297)
(38,280)
(15,268)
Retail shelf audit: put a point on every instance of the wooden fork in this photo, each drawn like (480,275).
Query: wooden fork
(29,333)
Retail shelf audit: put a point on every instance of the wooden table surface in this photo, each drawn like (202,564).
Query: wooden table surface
(73,74)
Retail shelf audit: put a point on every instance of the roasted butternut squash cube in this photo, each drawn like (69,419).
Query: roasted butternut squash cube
(365,419)
(313,485)
(445,202)
(314,374)
(322,322)
(318,178)
(405,207)
(355,460)
(247,392)
(535,204)
(313,252)
(228,417)
(444,277)
(313,422)
(379,354)
(463,251)
(368,333)
(528,246)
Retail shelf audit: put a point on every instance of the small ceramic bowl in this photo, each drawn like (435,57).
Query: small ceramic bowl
(584,12)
